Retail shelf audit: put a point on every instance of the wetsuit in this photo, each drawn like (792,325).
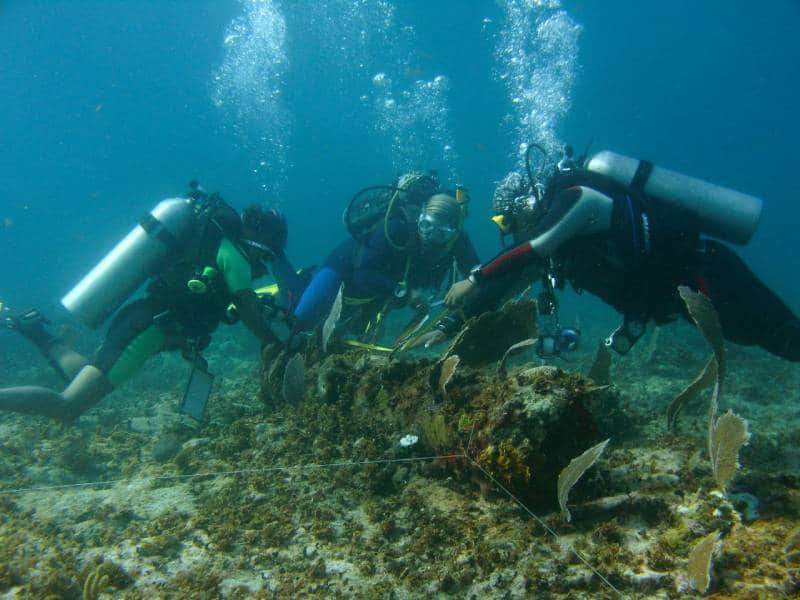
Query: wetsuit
(623,248)
(171,317)
(183,305)
(371,271)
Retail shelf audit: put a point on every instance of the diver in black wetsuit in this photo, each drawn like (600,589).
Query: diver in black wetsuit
(631,251)
(391,265)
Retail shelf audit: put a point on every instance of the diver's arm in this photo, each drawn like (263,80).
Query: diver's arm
(515,259)
(317,299)
(248,307)
(237,274)
(577,211)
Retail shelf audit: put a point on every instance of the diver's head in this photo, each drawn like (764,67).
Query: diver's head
(517,205)
(264,230)
(440,220)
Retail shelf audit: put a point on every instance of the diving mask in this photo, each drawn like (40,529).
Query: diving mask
(432,231)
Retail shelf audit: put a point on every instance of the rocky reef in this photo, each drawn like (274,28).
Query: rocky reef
(319,498)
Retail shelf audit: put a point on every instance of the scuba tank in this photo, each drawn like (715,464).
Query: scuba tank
(713,210)
(374,206)
(131,262)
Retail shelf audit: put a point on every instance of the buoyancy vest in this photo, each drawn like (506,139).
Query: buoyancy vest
(634,265)
(200,308)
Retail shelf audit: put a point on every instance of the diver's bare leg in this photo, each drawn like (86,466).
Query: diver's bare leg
(87,388)
(32,325)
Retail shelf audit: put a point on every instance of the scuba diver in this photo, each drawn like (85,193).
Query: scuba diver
(404,240)
(200,257)
(631,232)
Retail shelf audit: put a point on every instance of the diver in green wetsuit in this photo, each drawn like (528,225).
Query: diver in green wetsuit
(196,284)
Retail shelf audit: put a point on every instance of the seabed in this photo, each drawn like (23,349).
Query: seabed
(317,498)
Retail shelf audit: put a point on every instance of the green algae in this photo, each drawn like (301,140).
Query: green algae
(374,529)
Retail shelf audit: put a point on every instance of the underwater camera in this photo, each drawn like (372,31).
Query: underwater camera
(562,341)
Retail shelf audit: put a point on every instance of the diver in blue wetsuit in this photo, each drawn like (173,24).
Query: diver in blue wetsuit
(391,266)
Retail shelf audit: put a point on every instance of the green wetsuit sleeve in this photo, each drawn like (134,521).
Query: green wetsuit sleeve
(234,267)
(148,343)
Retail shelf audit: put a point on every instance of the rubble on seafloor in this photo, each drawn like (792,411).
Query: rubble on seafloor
(321,499)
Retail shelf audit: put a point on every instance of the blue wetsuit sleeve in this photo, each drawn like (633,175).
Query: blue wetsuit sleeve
(373,272)
(317,299)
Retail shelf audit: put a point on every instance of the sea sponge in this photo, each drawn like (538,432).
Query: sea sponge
(438,433)
(507,463)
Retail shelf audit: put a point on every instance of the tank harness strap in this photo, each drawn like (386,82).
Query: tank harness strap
(373,323)
(638,250)
(421,329)
(643,171)
(640,217)
(366,346)
(386,219)
(353,301)
(404,281)
(155,228)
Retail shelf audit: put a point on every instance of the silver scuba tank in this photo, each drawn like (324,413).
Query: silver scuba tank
(714,210)
(103,290)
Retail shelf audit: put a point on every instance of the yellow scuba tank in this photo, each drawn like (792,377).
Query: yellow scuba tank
(714,210)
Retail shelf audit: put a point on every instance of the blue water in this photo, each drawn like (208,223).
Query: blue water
(109,106)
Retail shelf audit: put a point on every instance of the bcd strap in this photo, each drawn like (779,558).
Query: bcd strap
(353,301)
(155,228)
(643,171)
(366,346)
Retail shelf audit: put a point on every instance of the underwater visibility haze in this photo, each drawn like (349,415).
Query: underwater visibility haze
(518,458)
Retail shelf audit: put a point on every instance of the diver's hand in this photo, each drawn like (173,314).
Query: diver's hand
(460,292)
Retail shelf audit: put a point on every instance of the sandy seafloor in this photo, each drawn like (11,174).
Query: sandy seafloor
(269,522)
